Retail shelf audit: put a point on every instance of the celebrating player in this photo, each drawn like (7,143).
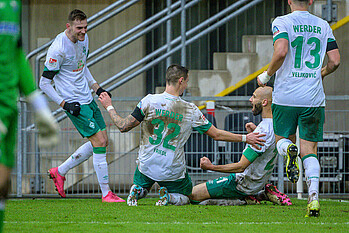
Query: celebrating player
(16,76)
(66,65)
(167,124)
(301,41)
(250,175)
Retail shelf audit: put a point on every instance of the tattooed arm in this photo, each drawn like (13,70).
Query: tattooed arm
(123,124)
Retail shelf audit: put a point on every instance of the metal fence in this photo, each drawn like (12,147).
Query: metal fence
(30,179)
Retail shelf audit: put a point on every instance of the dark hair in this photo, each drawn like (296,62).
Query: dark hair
(175,72)
(76,15)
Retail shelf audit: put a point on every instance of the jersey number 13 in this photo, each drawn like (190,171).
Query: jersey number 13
(298,44)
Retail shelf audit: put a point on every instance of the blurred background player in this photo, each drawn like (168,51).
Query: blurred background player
(167,122)
(250,175)
(15,77)
(66,65)
(301,41)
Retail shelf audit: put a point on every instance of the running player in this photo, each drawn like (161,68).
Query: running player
(167,122)
(250,175)
(301,41)
(66,65)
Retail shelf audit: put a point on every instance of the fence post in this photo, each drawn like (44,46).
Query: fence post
(19,149)
(299,161)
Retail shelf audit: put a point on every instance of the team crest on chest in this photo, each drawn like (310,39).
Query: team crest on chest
(80,66)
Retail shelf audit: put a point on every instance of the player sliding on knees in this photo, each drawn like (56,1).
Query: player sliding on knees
(167,122)
(249,177)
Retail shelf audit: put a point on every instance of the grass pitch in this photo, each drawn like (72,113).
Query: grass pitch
(91,215)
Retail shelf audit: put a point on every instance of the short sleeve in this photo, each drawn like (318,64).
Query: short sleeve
(279,29)
(54,59)
(330,36)
(199,121)
(143,105)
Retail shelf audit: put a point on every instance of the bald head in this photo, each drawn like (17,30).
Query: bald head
(261,101)
(264,93)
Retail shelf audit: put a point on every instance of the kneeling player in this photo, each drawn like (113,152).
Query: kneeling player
(167,122)
(250,175)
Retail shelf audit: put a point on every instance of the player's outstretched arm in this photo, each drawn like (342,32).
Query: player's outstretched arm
(253,139)
(240,166)
(123,124)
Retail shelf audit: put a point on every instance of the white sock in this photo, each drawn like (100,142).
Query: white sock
(178,199)
(312,174)
(282,145)
(82,154)
(101,169)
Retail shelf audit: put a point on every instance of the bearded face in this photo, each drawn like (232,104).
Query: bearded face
(257,108)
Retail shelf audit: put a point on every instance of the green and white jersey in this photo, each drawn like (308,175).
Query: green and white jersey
(68,60)
(167,124)
(298,82)
(257,174)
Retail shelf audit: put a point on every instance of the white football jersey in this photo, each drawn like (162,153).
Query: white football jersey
(167,124)
(257,174)
(69,60)
(298,82)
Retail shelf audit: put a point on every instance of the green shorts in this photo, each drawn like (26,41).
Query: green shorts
(183,186)
(224,187)
(8,117)
(309,119)
(89,121)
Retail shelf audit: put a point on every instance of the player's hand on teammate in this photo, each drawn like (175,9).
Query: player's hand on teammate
(73,108)
(250,127)
(101,90)
(255,139)
(205,163)
(48,129)
(105,99)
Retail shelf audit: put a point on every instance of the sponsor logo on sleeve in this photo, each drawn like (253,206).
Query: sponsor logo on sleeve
(52,62)
(275,30)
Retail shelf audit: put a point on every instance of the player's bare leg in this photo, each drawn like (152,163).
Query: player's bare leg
(200,193)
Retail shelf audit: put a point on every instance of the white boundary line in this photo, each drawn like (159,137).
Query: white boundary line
(180,223)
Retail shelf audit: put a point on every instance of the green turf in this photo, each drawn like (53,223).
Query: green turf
(91,215)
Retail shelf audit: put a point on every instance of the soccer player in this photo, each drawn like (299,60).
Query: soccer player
(250,175)
(15,76)
(167,122)
(66,65)
(301,41)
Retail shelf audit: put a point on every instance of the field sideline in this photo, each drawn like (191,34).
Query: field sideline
(91,215)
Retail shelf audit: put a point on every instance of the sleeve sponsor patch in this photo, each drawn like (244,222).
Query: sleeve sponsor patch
(52,63)
(275,30)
